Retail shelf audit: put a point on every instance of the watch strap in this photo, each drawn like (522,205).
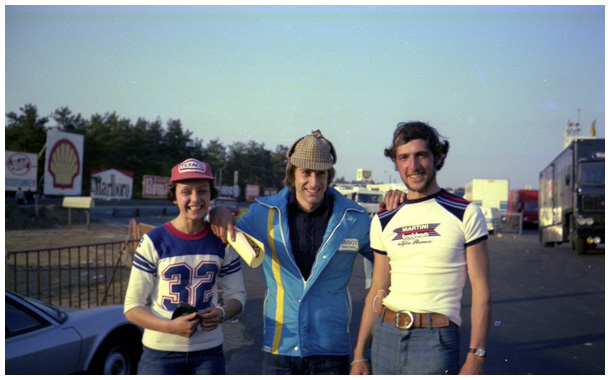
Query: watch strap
(478,351)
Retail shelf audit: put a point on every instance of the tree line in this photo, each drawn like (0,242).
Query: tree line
(145,147)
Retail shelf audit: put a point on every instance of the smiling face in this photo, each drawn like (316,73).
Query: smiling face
(193,199)
(310,186)
(416,165)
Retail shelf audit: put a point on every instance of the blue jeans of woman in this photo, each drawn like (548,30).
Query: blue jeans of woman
(310,365)
(205,362)
(418,351)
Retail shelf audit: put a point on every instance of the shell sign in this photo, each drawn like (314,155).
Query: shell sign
(64,163)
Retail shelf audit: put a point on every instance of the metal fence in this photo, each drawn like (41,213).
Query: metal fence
(80,276)
(508,223)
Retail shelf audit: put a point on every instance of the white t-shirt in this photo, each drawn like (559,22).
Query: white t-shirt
(425,240)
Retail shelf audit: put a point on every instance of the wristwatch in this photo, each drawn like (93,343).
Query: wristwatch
(478,351)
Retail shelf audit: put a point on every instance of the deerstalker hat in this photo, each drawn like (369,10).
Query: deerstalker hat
(191,169)
(313,152)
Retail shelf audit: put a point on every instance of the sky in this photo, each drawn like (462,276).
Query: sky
(499,82)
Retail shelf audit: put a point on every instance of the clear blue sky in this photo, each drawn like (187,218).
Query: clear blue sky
(500,82)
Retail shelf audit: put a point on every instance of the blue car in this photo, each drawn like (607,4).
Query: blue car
(44,339)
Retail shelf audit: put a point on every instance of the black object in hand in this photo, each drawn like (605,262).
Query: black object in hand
(183,309)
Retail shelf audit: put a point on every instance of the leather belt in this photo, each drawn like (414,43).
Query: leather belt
(405,320)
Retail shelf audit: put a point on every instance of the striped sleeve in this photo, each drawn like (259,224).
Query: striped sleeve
(143,275)
(475,227)
(233,267)
(376,237)
(140,262)
(230,278)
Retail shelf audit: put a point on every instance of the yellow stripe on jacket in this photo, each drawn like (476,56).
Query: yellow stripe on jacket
(275,265)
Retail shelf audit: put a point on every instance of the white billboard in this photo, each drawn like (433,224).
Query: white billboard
(20,171)
(363,175)
(111,184)
(63,174)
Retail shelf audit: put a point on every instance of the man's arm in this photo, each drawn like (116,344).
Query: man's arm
(393,199)
(221,221)
(477,261)
(380,286)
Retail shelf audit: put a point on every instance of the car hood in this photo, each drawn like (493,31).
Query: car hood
(110,313)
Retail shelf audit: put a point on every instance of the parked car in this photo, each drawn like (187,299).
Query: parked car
(229,203)
(491,215)
(45,339)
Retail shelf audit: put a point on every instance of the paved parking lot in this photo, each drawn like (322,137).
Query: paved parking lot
(547,316)
(548,312)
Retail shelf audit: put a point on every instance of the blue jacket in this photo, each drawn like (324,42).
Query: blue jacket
(308,317)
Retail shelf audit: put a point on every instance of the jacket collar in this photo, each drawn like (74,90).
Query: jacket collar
(280,200)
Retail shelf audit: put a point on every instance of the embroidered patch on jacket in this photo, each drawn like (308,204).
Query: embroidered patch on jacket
(349,245)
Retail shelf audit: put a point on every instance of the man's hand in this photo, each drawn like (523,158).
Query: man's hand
(473,365)
(361,368)
(210,318)
(184,326)
(221,221)
(393,199)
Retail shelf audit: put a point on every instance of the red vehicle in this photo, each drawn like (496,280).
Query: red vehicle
(525,202)
(229,203)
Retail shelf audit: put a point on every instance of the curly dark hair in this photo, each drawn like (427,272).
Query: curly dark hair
(407,131)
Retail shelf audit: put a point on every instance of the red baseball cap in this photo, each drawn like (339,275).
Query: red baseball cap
(191,169)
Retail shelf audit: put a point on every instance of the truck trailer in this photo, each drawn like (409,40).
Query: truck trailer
(492,193)
(571,197)
(524,202)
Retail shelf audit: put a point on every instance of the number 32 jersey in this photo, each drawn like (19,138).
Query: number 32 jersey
(170,267)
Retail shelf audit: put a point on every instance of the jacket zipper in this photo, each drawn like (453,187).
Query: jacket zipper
(320,249)
(327,240)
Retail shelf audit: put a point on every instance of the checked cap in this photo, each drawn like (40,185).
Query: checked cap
(312,152)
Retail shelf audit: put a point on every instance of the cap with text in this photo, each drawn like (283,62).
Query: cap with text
(191,169)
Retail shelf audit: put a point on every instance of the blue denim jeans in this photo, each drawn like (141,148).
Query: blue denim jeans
(419,351)
(310,365)
(205,362)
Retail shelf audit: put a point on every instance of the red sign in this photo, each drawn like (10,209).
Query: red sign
(252,191)
(154,187)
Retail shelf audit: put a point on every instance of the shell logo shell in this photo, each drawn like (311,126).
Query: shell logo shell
(64,164)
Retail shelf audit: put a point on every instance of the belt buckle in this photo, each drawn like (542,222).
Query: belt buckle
(397,318)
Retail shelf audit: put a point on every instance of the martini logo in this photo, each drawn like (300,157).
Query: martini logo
(64,164)
(413,234)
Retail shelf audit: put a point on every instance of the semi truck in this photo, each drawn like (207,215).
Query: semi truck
(525,202)
(571,197)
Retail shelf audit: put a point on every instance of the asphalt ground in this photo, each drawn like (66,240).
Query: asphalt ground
(547,312)
(547,309)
